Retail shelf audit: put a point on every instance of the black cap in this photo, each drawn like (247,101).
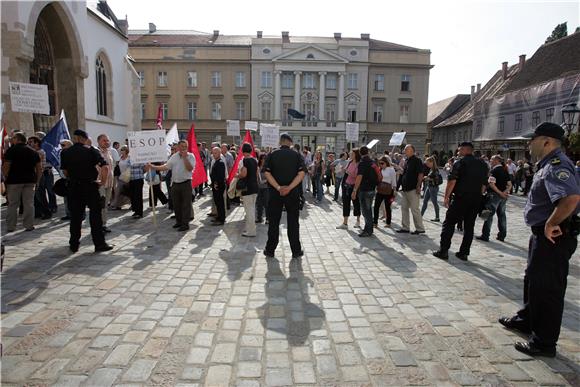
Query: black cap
(466,143)
(547,129)
(80,133)
(286,137)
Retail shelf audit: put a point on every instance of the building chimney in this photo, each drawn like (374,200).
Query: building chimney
(152,28)
(216,33)
(472,92)
(522,61)
(365,36)
(337,35)
(504,70)
(285,36)
(478,88)
(259,34)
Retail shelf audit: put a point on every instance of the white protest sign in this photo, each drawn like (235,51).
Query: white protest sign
(251,125)
(397,138)
(233,128)
(372,143)
(29,98)
(352,131)
(270,135)
(147,146)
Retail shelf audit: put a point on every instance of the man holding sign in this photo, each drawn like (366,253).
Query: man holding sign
(181,164)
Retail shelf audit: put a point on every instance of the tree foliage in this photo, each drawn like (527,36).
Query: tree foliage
(559,32)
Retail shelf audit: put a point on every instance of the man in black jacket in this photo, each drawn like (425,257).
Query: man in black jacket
(218,186)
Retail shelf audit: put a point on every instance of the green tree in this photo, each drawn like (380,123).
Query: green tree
(559,32)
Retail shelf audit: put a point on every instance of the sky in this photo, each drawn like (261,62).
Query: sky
(468,39)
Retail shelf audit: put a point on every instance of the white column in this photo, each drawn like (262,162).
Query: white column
(340,96)
(277,97)
(321,95)
(297,88)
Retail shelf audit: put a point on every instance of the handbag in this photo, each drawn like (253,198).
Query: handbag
(125,177)
(117,171)
(385,188)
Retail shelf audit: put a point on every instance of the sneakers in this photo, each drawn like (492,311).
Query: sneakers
(342,227)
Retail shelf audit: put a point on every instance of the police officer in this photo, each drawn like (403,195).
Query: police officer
(79,164)
(284,170)
(463,194)
(551,212)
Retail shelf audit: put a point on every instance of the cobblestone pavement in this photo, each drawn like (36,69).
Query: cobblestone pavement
(205,307)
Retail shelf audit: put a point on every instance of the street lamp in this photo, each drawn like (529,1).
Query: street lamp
(570,117)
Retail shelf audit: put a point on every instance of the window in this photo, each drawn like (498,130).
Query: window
(353,53)
(142,110)
(287,81)
(310,56)
(351,117)
(192,111)
(266,110)
(331,115)
(331,81)
(165,110)
(216,79)
(404,114)
(101,77)
(478,128)
(378,113)
(309,109)
(240,79)
(216,111)
(518,123)
(352,80)
(500,125)
(380,82)
(141,78)
(162,79)
(266,80)
(266,51)
(550,114)
(405,83)
(240,110)
(286,119)
(535,118)
(191,79)
(308,80)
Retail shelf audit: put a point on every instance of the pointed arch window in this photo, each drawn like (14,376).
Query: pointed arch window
(101,76)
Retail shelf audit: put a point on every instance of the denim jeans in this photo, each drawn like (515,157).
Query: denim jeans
(337,184)
(366,206)
(497,205)
(431,195)
(317,179)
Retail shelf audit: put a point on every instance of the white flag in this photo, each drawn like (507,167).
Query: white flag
(172,137)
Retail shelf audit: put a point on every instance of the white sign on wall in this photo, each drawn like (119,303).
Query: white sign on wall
(233,127)
(251,125)
(397,138)
(270,135)
(29,98)
(147,146)
(352,131)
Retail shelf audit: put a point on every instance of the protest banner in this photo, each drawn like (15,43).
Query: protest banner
(270,135)
(233,128)
(29,98)
(352,130)
(251,125)
(147,146)
(397,138)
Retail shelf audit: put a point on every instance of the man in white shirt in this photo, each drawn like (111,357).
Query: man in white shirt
(512,168)
(182,164)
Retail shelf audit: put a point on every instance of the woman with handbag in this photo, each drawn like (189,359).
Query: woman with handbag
(122,180)
(433,180)
(318,168)
(347,188)
(385,190)
(249,176)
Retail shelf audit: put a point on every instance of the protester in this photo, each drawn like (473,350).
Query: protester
(552,213)
(285,170)
(122,186)
(154,179)
(22,170)
(106,190)
(498,190)
(41,206)
(411,181)
(79,164)
(519,178)
(263,192)
(347,190)
(465,185)
(329,178)
(339,168)
(318,168)
(528,177)
(249,174)
(308,163)
(364,189)
(168,180)
(432,181)
(181,165)
(511,169)
(136,188)
(385,190)
(65,144)
(218,176)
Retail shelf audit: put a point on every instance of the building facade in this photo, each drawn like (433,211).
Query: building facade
(52,43)
(210,78)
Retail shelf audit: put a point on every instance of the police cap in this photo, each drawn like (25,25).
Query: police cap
(80,133)
(285,137)
(547,129)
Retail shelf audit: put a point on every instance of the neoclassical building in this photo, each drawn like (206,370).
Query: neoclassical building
(210,78)
(92,80)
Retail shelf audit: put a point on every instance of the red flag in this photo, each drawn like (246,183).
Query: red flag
(198,176)
(234,171)
(160,117)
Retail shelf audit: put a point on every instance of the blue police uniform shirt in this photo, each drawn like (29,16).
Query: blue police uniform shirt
(556,178)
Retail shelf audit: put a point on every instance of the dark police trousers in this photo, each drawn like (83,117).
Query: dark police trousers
(82,194)
(545,286)
(291,202)
(463,207)
(219,201)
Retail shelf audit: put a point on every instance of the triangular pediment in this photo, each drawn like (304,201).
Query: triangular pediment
(310,53)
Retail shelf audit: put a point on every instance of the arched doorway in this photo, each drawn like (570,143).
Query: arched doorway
(42,73)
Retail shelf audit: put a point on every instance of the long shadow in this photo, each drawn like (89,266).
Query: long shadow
(288,309)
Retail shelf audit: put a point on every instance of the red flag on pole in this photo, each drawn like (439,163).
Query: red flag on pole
(240,156)
(160,117)
(198,176)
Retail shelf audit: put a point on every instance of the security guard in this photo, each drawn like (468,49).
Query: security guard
(463,194)
(79,164)
(551,212)
(284,170)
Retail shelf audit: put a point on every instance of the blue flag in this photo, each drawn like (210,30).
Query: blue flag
(51,142)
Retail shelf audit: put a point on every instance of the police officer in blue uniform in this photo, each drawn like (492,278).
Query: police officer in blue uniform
(552,213)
